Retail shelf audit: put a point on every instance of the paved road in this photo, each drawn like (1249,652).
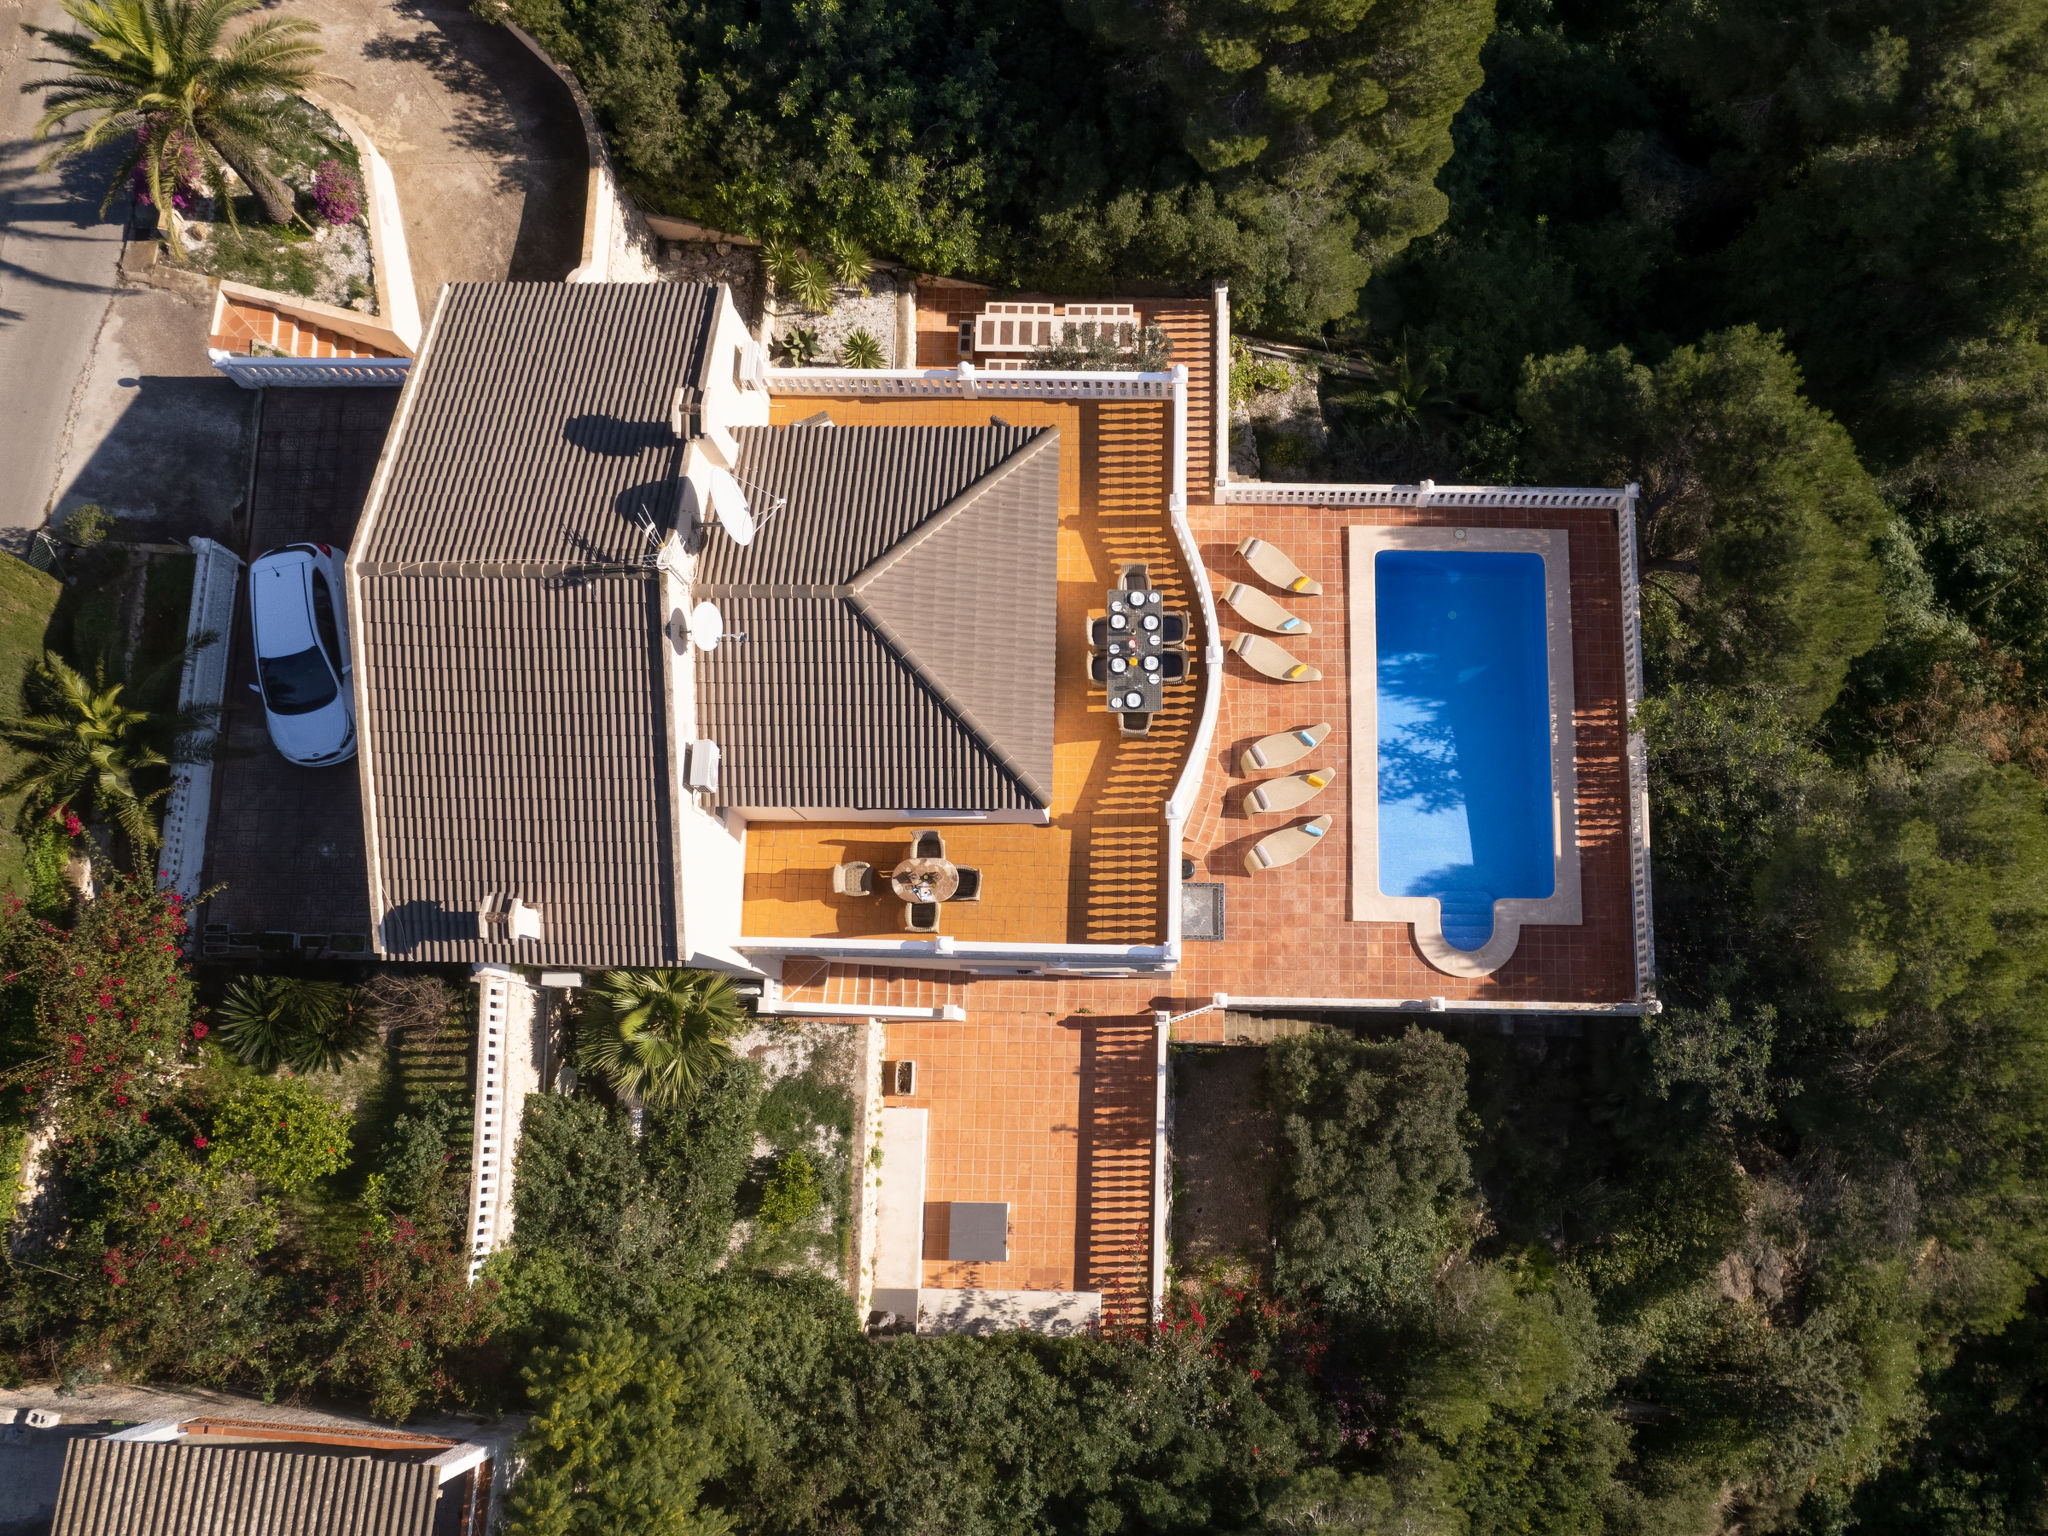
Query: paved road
(57,261)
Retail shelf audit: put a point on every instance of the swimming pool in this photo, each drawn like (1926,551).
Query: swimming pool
(1464,733)
(1461,696)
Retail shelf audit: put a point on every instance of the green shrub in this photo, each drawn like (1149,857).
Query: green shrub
(793,1196)
(280,1132)
(1250,375)
(88,525)
(1375,1176)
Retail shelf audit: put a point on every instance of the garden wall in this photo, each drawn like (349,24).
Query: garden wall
(618,245)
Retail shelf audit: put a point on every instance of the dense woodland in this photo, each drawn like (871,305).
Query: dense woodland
(1770,1261)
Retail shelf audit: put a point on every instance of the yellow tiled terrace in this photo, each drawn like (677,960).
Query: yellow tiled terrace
(1096,874)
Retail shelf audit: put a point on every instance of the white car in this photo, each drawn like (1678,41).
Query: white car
(302,659)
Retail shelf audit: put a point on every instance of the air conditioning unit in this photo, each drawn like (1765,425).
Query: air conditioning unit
(700,765)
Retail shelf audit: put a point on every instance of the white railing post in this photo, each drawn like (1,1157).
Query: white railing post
(203,686)
(1638,752)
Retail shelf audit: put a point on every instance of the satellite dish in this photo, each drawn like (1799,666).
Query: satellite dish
(729,506)
(707,626)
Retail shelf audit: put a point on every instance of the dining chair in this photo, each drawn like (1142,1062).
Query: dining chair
(855,879)
(1136,577)
(921,916)
(1173,629)
(1173,666)
(927,845)
(970,884)
(1098,668)
(1098,631)
(1135,723)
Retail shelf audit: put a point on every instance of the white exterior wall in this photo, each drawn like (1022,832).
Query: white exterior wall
(899,1212)
(508,1017)
(204,685)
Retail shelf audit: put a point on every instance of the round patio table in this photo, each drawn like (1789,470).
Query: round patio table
(925,880)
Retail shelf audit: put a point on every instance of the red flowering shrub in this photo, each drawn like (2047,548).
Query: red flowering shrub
(177,1288)
(398,1327)
(108,1000)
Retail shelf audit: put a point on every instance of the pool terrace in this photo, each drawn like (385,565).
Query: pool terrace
(1289,931)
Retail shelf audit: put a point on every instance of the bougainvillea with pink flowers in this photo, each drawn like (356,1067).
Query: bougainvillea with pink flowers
(110,1001)
(179,166)
(338,191)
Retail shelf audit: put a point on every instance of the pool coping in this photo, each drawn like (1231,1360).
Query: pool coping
(1563,907)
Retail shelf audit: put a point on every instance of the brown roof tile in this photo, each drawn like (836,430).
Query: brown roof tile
(900,611)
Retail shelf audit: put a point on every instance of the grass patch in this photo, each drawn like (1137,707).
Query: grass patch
(282,260)
(28,599)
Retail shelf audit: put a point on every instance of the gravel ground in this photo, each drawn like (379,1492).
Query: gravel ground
(852,310)
(702,261)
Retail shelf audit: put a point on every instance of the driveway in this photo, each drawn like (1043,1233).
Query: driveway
(483,139)
(284,844)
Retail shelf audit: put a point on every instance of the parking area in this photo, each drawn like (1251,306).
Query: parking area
(284,853)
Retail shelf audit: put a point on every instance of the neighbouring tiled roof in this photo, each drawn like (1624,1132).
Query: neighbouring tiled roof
(900,613)
(514,725)
(162,1488)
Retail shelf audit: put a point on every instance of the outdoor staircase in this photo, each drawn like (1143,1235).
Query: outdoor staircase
(246,326)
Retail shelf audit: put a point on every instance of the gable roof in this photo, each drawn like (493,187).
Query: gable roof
(900,607)
(512,690)
(162,1488)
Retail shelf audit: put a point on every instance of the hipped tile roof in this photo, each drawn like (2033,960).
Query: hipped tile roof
(900,611)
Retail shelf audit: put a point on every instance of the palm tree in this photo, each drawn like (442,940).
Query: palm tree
(657,1035)
(301,1024)
(84,748)
(162,71)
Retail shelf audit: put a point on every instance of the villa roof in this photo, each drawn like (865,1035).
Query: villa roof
(538,425)
(900,609)
(512,688)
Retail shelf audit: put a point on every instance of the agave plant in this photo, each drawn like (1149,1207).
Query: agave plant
(849,261)
(800,344)
(860,350)
(270,1021)
(811,285)
(657,1035)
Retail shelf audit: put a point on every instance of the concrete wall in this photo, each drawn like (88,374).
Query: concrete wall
(618,245)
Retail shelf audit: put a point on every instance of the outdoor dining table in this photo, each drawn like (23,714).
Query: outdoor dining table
(925,880)
(1131,653)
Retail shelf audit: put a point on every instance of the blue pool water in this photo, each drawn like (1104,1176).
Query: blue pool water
(1464,732)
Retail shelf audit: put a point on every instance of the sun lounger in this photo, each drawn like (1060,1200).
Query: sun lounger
(1280,750)
(1290,793)
(1262,655)
(1255,607)
(1285,846)
(1274,566)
